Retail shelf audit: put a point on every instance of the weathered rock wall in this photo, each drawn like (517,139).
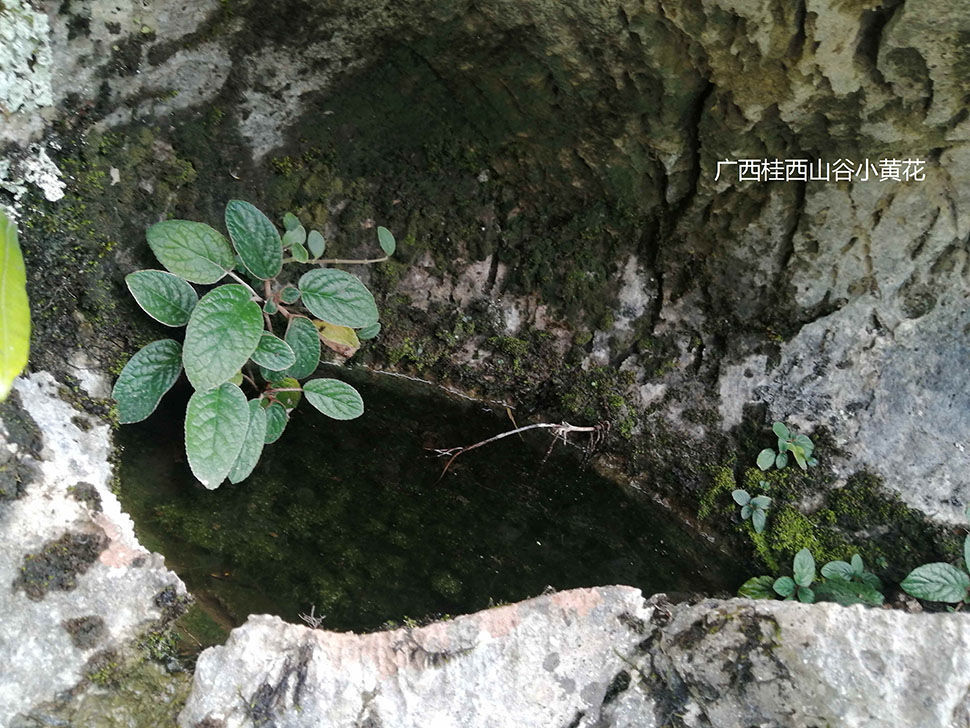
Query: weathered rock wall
(598,657)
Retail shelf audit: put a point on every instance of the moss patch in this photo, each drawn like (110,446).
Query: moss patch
(57,565)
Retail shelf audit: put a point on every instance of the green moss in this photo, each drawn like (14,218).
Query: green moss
(717,497)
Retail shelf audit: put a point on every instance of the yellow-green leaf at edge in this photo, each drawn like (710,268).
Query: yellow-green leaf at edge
(342,339)
(14,308)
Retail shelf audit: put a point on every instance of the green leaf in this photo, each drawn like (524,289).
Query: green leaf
(291,397)
(147,376)
(804,568)
(369,332)
(256,239)
(937,582)
(334,398)
(164,296)
(806,595)
(299,253)
(766,458)
(191,250)
(846,593)
(812,462)
(216,421)
(338,297)
(270,307)
(236,379)
(799,453)
(758,519)
(252,446)
(316,243)
(740,496)
(290,221)
(276,419)
(838,570)
(781,430)
(871,579)
(273,353)
(784,586)
(757,587)
(223,332)
(294,236)
(14,307)
(966,552)
(761,501)
(386,239)
(783,445)
(302,337)
(781,461)
(746,511)
(290,294)
(858,567)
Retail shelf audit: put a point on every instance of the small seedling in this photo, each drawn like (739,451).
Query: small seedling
(798,446)
(842,582)
(800,585)
(754,508)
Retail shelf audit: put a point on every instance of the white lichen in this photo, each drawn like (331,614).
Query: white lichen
(25,58)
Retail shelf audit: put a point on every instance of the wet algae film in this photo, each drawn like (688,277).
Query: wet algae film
(355,520)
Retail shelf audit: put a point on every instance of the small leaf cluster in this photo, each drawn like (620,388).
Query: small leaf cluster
(798,446)
(843,582)
(939,581)
(755,508)
(230,340)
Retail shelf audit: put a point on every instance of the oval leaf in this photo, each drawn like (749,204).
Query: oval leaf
(164,296)
(223,332)
(758,518)
(338,297)
(289,398)
(14,307)
(761,501)
(839,570)
(741,496)
(766,458)
(147,376)
(256,239)
(781,430)
(806,595)
(276,419)
(804,568)
(757,587)
(216,421)
(294,236)
(369,332)
(302,337)
(192,250)
(290,294)
(316,243)
(300,255)
(386,239)
(252,446)
(290,221)
(746,511)
(334,398)
(784,586)
(273,353)
(966,552)
(781,461)
(340,339)
(937,582)
(858,567)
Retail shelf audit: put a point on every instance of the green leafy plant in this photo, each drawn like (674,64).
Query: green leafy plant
(230,342)
(798,446)
(939,581)
(14,307)
(754,508)
(842,582)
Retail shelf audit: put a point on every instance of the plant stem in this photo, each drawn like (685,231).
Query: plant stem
(249,288)
(340,261)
